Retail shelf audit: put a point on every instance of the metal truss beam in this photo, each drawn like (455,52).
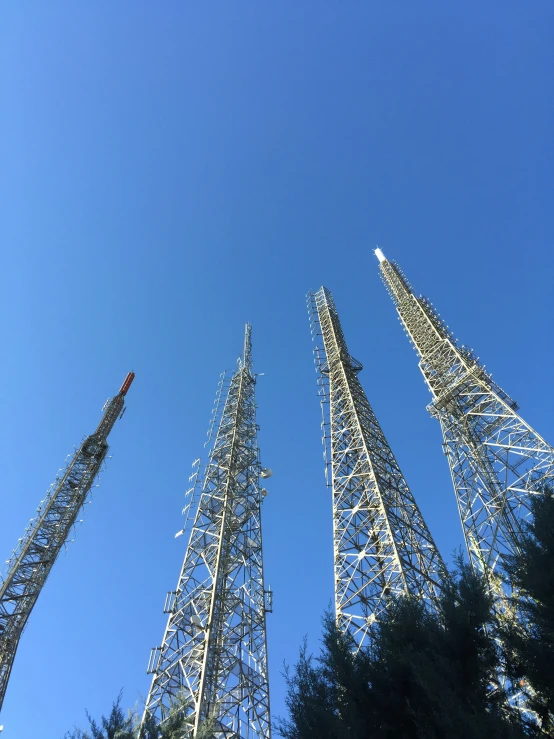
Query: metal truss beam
(33,558)
(382,546)
(213,658)
(497,461)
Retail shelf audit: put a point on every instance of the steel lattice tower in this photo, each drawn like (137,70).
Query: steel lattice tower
(35,554)
(214,655)
(497,461)
(382,546)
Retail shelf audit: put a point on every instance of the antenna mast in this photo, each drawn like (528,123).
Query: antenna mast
(497,461)
(382,545)
(34,556)
(214,655)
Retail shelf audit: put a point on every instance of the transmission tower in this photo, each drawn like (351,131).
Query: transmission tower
(213,659)
(497,461)
(36,552)
(382,546)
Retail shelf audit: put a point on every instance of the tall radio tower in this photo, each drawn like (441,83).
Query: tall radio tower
(382,546)
(497,461)
(34,556)
(213,659)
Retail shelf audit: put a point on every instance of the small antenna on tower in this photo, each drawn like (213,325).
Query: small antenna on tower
(247,353)
(127,382)
(28,568)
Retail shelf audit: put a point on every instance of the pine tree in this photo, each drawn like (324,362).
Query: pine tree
(313,693)
(467,661)
(529,640)
(119,725)
(115,726)
(424,676)
(172,727)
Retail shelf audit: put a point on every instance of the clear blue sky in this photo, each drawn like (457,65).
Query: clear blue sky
(172,170)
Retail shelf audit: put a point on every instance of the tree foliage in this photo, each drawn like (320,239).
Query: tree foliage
(424,676)
(118,725)
(529,639)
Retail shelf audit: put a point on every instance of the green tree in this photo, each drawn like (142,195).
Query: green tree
(206,729)
(173,726)
(529,640)
(116,725)
(313,692)
(424,676)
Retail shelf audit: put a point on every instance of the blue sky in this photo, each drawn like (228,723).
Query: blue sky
(170,171)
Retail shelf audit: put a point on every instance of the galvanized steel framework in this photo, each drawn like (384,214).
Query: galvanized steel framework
(214,655)
(497,461)
(382,546)
(33,558)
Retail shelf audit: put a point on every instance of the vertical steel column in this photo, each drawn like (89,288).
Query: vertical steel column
(382,546)
(497,461)
(34,557)
(213,658)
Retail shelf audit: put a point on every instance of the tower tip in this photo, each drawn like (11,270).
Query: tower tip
(247,352)
(127,383)
(380,256)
